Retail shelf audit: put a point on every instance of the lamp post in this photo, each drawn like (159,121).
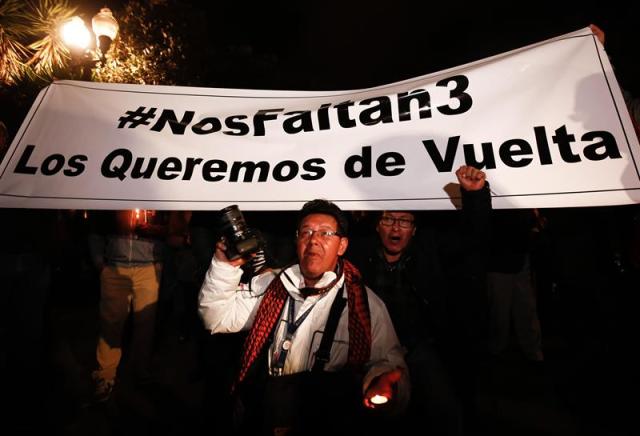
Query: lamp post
(76,36)
(105,27)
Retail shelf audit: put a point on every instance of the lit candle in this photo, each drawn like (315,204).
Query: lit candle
(378,399)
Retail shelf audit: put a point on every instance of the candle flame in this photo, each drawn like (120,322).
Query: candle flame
(379,399)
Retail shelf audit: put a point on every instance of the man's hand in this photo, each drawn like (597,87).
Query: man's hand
(598,32)
(470,178)
(221,249)
(381,390)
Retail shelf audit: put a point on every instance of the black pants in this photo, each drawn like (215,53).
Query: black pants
(307,403)
(434,405)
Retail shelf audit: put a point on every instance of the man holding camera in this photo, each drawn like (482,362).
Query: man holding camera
(320,344)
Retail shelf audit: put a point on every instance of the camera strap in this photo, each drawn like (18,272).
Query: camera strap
(323,354)
(293,324)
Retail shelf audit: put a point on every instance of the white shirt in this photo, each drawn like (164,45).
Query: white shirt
(229,306)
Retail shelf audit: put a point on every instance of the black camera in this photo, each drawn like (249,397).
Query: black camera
(239,238)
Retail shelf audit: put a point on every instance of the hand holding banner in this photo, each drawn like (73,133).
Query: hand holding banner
(547,123)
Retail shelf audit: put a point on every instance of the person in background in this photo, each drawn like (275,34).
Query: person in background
(26,247)
(180,279)
(126,247)
(512,296)
(404,269)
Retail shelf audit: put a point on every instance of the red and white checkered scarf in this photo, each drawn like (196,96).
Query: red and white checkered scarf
(271,307)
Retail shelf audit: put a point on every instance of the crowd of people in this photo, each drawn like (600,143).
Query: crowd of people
(382,317)
(365,322)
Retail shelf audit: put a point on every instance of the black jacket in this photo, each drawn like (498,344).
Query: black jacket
(436,292)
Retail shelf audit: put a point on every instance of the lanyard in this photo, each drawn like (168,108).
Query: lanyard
(292,326)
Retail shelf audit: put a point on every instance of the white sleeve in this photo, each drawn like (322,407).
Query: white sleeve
(225,304)
(386,352)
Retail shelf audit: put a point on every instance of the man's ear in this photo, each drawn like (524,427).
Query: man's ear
(414,231)
(344,243)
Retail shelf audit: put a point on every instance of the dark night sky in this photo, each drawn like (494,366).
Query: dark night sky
(356,44)
(350,44)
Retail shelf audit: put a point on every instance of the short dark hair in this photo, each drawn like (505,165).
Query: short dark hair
(412,212)
(327,208)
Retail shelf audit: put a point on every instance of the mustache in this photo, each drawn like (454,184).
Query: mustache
(312,253)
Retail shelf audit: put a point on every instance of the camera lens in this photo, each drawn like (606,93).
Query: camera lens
(240,240)
(233,221)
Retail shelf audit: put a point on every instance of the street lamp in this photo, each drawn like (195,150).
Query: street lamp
(77,38)
(105,27)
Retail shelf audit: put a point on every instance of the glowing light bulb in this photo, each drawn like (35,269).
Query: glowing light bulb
(75,34)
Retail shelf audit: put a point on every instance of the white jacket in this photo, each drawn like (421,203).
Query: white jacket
(229,306)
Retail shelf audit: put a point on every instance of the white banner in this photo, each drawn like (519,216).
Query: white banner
(547,123)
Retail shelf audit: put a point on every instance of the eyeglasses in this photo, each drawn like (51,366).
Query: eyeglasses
(306,234)
(404,223)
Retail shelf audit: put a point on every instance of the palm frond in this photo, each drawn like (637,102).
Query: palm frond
(49,52)
(46,16)
(15,18)
(12,54)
